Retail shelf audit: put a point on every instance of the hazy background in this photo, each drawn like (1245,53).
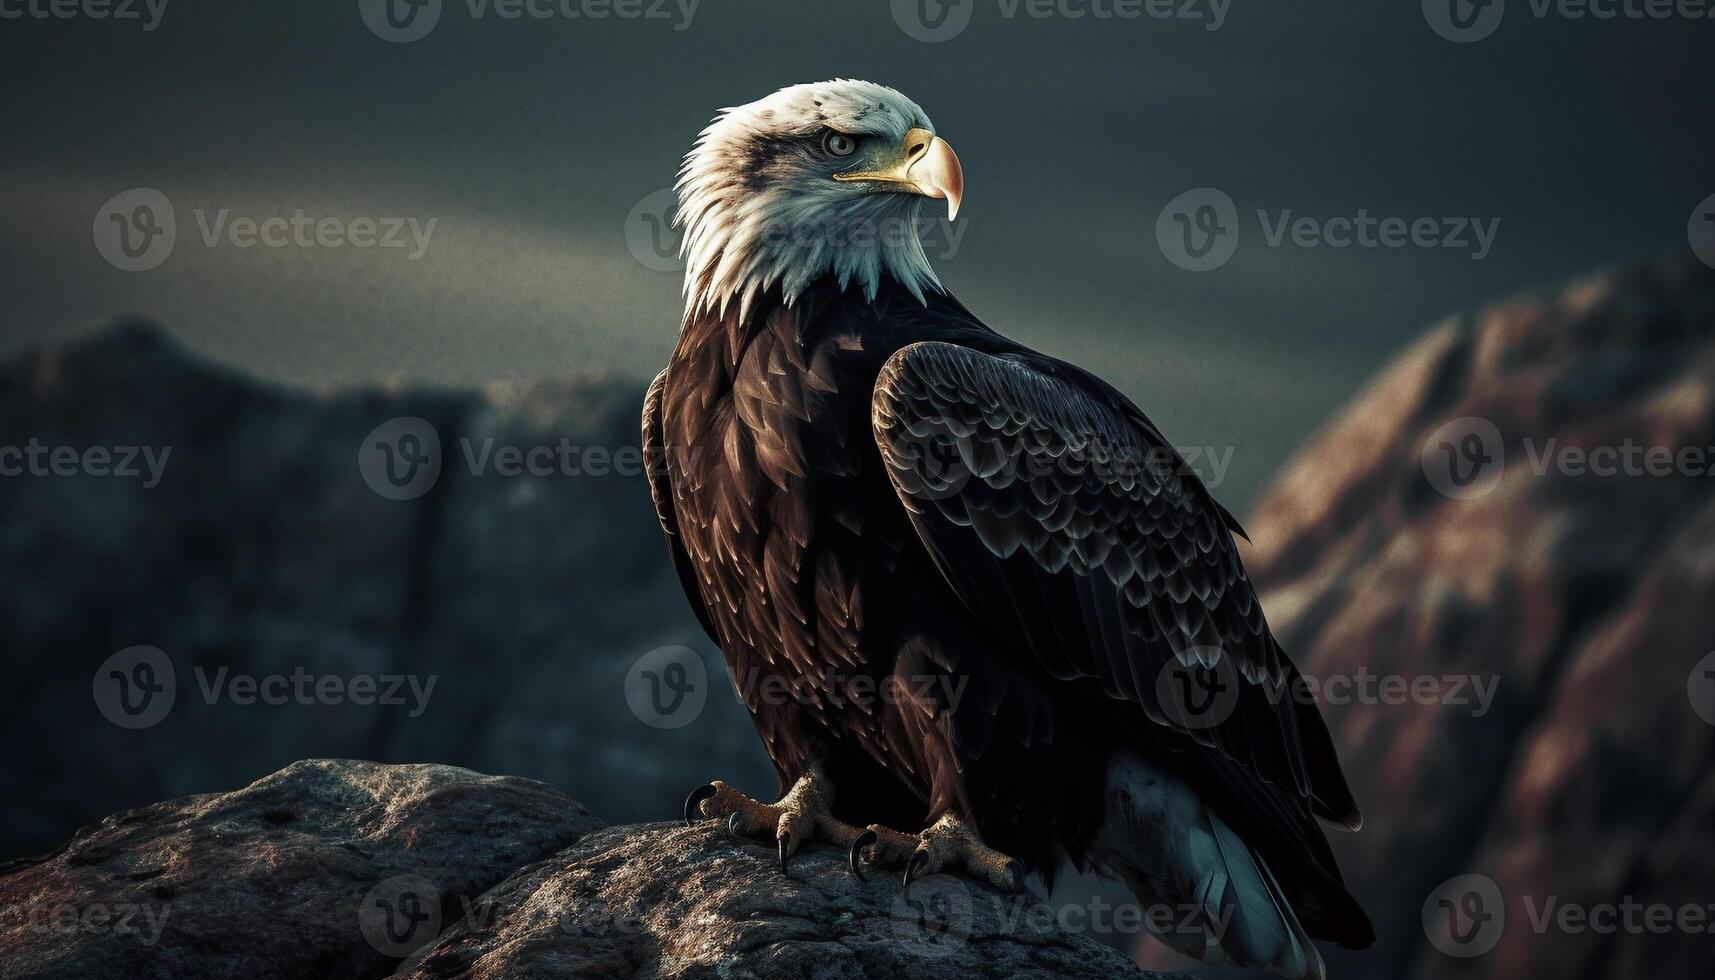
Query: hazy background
(530,141)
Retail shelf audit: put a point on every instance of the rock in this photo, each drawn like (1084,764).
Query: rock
(340,869)
(262,552)
(671,901)
(279,879)
(1589,777)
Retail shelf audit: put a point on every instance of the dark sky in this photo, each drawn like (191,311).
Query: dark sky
(529,141)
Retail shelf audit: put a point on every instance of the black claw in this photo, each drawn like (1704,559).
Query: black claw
(917,861)
(698,795)
(784,842)
(864,840)
(1016,870)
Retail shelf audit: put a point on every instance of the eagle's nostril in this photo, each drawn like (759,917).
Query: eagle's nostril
(916,148)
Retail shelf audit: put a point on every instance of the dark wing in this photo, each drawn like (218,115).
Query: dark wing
(655,450)
(1057,511)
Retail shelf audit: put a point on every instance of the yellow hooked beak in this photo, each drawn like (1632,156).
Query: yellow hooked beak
(926,166)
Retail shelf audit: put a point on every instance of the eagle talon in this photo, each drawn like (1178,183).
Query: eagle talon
(950,844)
(863,840)
(803,816)
(698,795)
(918,860)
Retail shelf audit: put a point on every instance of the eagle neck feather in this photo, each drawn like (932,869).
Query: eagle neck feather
(741,243)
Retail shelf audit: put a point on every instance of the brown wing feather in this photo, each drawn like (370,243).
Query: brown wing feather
(1055,509)
(655,452)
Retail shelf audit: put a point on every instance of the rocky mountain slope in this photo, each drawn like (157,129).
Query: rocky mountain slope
(352,869)
(295,603)
(1524,503)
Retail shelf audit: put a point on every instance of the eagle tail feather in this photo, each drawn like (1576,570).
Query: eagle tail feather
(1172,850)
(1260,927)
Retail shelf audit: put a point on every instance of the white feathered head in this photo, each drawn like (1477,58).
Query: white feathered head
(816,179)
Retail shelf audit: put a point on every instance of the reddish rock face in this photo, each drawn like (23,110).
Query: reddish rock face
(1511,536)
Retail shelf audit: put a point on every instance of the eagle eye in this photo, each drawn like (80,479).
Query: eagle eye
(837,144)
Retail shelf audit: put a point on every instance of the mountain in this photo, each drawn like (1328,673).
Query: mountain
(291,602)
(1524,503)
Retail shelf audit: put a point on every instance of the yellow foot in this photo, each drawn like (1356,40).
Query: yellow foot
(948,844)
(804,814)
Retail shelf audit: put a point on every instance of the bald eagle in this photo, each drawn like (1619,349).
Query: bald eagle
(983,616)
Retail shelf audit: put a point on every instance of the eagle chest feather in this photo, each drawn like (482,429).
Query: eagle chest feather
(779,493)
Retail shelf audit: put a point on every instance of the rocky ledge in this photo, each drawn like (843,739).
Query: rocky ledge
(354,869)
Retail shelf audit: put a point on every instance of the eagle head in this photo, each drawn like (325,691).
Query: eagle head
(827,178)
